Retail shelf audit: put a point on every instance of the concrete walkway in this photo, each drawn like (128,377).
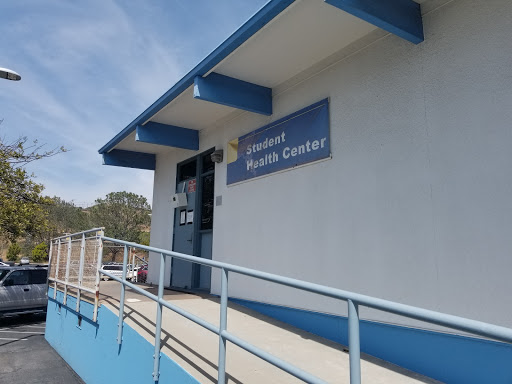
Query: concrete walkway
(196,349)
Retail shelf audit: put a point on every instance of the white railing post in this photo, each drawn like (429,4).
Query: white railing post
(354,349)
(67,272)
(56,271)
(121,299)
(80,273)
(134,274)
(99,260)
(50,259)
(223,325)
(158,329)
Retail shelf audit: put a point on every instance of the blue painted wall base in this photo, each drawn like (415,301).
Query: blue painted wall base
(445,357)
(91,349)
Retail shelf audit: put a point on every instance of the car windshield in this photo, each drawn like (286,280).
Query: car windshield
(113,267)
(3,272)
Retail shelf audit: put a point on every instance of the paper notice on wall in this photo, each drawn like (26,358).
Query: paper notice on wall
(190,217)
(183,217)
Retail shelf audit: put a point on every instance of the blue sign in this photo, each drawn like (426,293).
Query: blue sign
(297,139)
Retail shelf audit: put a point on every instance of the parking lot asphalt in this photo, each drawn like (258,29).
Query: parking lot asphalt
(25,355)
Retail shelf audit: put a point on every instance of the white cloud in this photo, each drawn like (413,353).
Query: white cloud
(89,68)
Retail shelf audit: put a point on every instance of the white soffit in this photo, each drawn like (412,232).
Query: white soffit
(304,34)
(187,112)
(129,144)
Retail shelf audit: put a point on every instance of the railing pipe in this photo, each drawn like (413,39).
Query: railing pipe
(49,266)
(80,233)
(76,286)
(295,371)
(50,259)
(178,310)
(99,260)
(223,326)
(354,349)
(67,272)
(121,299)
(285,366)
(354,300)
(134,275)
(80,273)
(56,271)
(450,321)
(158,330)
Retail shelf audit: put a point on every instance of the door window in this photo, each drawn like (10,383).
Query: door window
(187,171)
(207,202)
(3,272)
(19,277)
(38,276)
(208,164)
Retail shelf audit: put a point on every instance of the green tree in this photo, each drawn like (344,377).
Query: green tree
(123,214)
(40,252)
(13,252)
(22,206)
(65,217)
(144,238)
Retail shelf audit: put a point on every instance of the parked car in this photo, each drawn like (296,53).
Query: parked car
(113,269)
(23,289)
(116,269)
(24,261)
(142,274)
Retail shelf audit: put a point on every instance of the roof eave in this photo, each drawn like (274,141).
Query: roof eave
(266,14)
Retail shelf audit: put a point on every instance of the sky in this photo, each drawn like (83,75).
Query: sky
(89,68)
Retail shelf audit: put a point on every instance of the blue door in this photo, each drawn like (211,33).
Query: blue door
(193,224)
(181,272)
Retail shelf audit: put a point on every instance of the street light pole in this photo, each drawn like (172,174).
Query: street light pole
(9,74)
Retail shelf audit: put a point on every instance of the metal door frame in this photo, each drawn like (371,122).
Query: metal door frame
(196,244)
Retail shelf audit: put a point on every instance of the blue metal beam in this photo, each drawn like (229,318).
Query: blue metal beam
(169,135)
(244,33)
(130,159)
(400,17)
(235,93)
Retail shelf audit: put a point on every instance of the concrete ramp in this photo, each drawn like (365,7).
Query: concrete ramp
(196,349)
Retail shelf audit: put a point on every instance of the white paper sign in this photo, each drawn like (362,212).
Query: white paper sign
(190,217)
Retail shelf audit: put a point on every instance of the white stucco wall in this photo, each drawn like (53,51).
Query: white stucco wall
(414,205)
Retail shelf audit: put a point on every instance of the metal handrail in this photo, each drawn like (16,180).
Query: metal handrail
(79,233)
(354,300)
(59,241)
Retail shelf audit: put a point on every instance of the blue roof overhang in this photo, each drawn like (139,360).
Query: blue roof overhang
(242,72)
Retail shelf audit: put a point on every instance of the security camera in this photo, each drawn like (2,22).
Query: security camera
(217,156)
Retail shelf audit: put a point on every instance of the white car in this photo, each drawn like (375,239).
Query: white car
(117,271)
(114,269)
(24,261)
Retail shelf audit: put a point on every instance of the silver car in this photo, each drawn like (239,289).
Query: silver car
(23,289)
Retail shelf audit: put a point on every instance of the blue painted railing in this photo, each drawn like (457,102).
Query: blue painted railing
(353,300)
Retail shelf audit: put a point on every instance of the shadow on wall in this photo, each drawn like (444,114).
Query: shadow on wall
(91,349)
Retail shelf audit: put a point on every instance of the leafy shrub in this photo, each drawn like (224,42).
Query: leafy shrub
(39,253)
(13,252)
